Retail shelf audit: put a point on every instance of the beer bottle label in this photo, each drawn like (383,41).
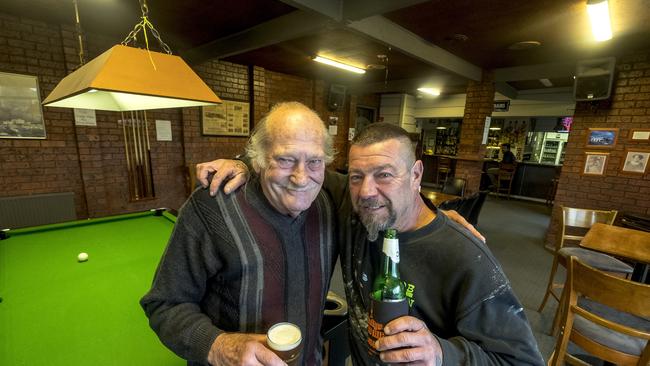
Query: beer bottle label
(381,313)
(391,249)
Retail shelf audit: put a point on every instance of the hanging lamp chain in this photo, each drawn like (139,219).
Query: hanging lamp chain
(79,31)
(143,25)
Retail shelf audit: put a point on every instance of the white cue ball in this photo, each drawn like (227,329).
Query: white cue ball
(82,257)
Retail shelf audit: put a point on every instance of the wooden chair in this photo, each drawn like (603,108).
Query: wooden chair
(575,223)
(607,316)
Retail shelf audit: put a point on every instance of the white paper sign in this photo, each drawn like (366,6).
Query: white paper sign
(333,130)
(85,117)
(486,129)
(641,135)
(351,133)
(163,130)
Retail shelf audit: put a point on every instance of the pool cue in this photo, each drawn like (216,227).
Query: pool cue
(126,153)
(148,156)
(138,134)
(136,159)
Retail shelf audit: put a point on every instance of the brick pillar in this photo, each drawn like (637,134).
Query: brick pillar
(479,104)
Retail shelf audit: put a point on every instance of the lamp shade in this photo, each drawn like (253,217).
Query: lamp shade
(124,79)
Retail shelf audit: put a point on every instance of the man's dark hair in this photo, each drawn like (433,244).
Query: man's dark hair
(382,131)
(378,132)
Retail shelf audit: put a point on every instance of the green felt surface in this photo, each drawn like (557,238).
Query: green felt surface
(57,311)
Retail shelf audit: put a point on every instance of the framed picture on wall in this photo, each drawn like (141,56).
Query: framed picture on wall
(230,118)
(21,115)
(639,134)
(604,138)
(636,161)
(595,163)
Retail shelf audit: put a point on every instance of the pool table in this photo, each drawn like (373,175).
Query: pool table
(58,311)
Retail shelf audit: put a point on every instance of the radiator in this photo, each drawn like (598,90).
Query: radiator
(38,209)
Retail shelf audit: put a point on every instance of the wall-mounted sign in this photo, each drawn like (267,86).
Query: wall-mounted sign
(230,118)
(501,105)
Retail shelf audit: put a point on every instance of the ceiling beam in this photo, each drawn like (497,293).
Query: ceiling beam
(535,72)
(332,9)
(391,34)
(359,9)
(506,89)
(345,10)
(293,25)
(560,94)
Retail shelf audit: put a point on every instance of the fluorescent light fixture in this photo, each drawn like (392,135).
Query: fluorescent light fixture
(340,65)
(430,91)
(601,25)
(441,128)
(495,128)
(124,79)
(546,82)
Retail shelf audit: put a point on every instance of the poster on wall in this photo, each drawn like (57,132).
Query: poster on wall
(21,116)
(230,118)
(636,161)
(603,138)
(595,163)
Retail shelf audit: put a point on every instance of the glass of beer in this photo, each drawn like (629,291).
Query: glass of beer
(285,340)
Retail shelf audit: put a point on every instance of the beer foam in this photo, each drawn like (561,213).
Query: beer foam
(284,336)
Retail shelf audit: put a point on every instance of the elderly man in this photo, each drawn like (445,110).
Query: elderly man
(237,264)
(463,310)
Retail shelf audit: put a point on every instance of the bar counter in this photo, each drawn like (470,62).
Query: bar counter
(531,179)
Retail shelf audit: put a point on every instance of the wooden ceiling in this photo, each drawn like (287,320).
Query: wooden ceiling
(436,43)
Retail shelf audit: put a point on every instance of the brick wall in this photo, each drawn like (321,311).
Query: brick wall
(629,109)
(90,161)
(478,105)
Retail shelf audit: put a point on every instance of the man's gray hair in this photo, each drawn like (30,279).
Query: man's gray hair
(260,141)
(382,131)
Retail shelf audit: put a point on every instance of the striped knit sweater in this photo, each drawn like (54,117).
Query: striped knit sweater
(234,264)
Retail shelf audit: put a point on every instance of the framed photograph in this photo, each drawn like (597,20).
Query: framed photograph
(595,163)
(230,118)
(636,161)
(604,138)
(639,134)
(21,115)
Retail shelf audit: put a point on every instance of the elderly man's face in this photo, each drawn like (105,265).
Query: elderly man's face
(295,167)
(382,184)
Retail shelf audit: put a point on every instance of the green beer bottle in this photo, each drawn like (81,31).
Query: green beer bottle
(388,296)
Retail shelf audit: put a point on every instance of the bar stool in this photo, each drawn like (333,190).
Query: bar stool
(552,190)
(444,168)
(504,179)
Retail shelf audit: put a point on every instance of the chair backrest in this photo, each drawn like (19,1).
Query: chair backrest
(476,208)
(577,221)
(507,167)
(611,321)
(455,186)
(462,205)
(451,204)
(444,163)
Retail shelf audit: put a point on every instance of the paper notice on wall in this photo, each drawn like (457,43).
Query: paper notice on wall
(486,129)
(163,130)
(333,130)
(85,117)
(351,133)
